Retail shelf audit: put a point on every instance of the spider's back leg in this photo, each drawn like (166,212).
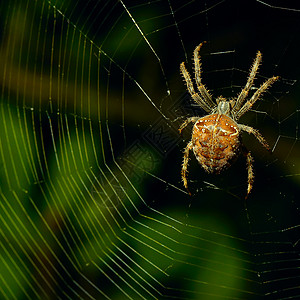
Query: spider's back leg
(185,165)
(249,161)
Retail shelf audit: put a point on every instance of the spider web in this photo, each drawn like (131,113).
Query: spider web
(92,203)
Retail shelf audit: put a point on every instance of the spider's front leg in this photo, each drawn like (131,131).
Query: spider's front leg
(185,165)
(202,103)
(245,90)
(255,96)
(201,88)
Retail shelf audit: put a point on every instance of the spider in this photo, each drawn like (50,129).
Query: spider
(216,140)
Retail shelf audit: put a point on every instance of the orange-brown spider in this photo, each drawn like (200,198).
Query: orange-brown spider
(216,137)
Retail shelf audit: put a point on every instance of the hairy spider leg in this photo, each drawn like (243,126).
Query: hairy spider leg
(187,121)
(191,89)
(185,165)
(249,161)
(245,90)
(256,133)
(201,87)
(256,96)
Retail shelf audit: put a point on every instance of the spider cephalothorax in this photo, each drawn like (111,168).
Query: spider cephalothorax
(216,140)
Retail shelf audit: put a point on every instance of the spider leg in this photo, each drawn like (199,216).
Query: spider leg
(191,89)
(256,133)
(256,96)
(186,122)
(241,97)
(185,165)
(201,88)
(249,161)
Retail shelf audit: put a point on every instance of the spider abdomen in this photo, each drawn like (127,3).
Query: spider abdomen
(216,142)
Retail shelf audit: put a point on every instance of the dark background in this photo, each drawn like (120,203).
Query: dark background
(91,195)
